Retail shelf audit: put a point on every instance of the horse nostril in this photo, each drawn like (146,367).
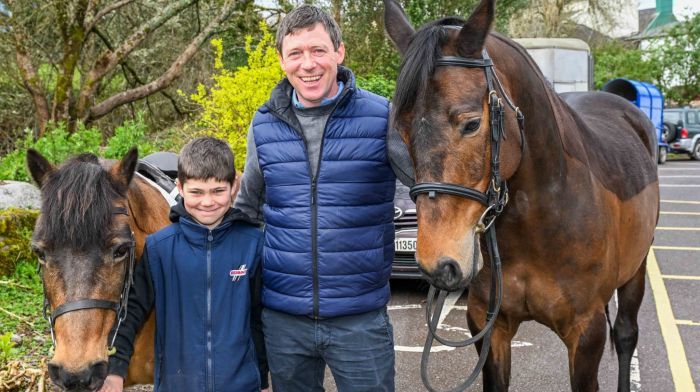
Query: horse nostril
(98,373)
(79,381)
(54,371)
(448,274)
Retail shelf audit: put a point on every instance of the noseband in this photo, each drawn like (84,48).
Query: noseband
(495,199)
(120,308)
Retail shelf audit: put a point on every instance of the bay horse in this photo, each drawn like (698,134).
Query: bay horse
(95,216)
(572,176)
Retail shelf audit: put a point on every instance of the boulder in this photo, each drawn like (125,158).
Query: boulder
(19,194)
(16,228)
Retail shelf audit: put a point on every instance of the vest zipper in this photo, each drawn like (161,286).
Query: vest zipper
(210,372)
(314,196)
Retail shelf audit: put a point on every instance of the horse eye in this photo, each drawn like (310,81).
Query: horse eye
(471,126)
(120,252)
(39,253)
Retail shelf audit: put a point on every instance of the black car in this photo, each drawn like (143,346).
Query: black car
(682,130)
(406,225)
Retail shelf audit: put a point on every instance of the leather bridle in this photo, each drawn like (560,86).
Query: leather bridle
(495,199)
(120,308)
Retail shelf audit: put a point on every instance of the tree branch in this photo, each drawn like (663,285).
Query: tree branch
(127,70)
(89,25)
(30,79)
(110,59)
(164,80)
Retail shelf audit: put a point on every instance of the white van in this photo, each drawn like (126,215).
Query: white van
(565,62)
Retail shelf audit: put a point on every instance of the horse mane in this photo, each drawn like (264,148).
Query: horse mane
(418,63)
(77,204)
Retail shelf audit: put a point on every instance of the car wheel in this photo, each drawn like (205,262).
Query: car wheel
(663,154)
(695,154)
(669,133)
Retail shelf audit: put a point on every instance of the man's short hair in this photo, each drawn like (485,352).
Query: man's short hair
(205,158)
(305,17)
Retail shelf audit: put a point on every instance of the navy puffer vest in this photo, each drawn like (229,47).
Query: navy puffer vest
(329,243)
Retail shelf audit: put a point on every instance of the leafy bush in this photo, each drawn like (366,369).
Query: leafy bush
(377,84)
(230,104)
(7,347)
(128,135)
(56,145)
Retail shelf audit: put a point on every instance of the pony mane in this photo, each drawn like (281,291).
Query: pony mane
(418,64)
(77,204)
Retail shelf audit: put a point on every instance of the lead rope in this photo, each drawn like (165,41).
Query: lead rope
(495,300)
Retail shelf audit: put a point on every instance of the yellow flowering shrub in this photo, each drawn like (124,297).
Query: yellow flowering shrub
(229,106)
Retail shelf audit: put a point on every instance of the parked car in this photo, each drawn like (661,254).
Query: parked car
(682,130)
(406,226)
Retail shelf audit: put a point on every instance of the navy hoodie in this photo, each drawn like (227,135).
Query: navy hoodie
(205,286)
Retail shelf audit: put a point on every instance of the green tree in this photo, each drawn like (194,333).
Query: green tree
(679,52)
(76,58)
(616,60)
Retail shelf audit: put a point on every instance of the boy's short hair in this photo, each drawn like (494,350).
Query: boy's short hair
(305,17)
(205,158)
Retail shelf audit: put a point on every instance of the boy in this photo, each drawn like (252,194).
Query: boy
(202,276)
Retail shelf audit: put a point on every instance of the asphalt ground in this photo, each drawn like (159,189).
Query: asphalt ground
(667,358)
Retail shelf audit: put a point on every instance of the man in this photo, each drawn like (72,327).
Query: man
(319,173)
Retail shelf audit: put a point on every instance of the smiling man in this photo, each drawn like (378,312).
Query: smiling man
(320,171)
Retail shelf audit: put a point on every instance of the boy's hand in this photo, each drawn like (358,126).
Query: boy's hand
(113,383)
(266,390)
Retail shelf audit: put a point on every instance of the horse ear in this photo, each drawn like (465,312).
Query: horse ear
(39,167)
(476,29)
(124,170)
(397,25)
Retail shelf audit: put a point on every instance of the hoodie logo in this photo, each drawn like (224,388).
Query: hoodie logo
(237,274)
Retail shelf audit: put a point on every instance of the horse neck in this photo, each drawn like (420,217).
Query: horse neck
(148,211)
(543,154)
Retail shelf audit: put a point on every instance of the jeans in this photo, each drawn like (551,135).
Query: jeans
(359,350)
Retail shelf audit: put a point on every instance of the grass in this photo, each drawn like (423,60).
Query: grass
(21,302)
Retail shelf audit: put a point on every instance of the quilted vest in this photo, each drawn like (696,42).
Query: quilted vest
(329,241)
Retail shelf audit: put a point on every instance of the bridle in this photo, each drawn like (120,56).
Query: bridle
(120,308)
(495,199)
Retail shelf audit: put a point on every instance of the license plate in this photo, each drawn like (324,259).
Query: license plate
(407,245)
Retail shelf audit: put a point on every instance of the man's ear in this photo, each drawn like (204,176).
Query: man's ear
(341,53)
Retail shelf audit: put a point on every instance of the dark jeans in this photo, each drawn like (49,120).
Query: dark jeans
(358,349)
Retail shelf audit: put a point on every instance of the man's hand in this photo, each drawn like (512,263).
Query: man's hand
(113,383)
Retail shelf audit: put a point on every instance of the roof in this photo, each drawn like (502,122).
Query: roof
(560,43)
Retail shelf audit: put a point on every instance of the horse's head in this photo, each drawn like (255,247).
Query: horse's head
(85,249)
(442,110)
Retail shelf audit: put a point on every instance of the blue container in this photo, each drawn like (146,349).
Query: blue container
(649,99)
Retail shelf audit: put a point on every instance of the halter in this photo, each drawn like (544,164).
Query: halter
(120,308)
(495,198)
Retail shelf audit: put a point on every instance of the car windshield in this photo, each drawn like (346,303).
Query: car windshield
(672,117)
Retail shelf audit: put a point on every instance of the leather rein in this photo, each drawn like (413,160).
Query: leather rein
(120,308)
(495,198)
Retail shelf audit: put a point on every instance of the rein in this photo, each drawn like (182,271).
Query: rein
(120,308)
(495,198)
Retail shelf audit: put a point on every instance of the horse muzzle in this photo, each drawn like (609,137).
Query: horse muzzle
(86,380)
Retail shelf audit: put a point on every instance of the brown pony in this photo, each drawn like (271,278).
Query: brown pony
(94,219)
(577,217)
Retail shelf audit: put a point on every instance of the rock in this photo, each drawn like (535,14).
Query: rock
(16,339)
(19,194)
